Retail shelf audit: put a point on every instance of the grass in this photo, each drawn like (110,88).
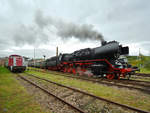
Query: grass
(13,97)
(123,96)
(143,62)
(144,70)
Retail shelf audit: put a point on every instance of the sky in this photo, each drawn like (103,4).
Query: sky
(42,25)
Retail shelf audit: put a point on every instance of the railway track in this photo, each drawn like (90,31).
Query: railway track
(125,81)
(51,94)
(142,74)
(143,86)
(81,101)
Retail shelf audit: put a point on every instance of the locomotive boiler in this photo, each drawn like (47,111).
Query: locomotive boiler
(110,51)
(103,61)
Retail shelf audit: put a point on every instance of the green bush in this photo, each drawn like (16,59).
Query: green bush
(140,61)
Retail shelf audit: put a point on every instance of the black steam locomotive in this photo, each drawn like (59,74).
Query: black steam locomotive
(103,61)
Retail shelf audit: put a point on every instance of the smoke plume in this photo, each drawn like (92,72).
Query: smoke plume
(68,29)
(36,34)
(29,35)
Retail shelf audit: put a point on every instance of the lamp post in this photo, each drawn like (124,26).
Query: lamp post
(44,63)
(57,55)
(34,56)
(44,57)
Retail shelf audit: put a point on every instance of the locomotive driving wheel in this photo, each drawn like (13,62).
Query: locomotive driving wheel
(128,76)
(110,76)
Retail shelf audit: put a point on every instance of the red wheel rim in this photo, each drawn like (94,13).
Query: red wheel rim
(110,76)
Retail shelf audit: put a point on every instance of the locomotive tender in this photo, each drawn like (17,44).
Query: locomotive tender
(103,61)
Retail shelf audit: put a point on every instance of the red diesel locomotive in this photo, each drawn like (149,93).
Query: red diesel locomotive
(16,63)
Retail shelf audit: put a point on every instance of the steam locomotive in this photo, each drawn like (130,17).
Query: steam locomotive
(103,61)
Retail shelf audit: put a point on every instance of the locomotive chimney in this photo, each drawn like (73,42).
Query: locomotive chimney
(103,43)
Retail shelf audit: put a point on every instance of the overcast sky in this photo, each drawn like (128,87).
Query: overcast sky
(72,25)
